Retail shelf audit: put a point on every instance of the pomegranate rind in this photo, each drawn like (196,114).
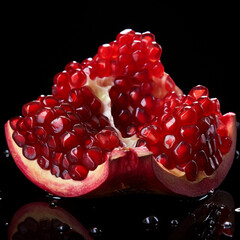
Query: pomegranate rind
(41,210)
(48,182)
(176,180)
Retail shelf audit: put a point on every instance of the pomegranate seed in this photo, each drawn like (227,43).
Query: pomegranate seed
(60,124)
(190,133)
(72,66)
(14,121)
(199,91)
(135,96)
(68,140)
(207,105)
(65,162)
(141,115)
(45,150)
(122,83)
(44,116)
(75,155)
(40,132)
(210,167)
(84,113)
(150,133)
(57,158)
(154,51)
(61,78)
(103,67)
(169,141)
(60,91)
(198,108)
(124,116)
(65,174)
(157,69)
(19,138)
(169,84)
(191,171)
(78,172)
(29,122)
(226,145)
(50,101)
(114,47)
(96,155)
(164,160)
(148,101)
(43,162)
(105,51)
(139,57)
(169,124)
(78,79)
(53,142)
(182,152)
(187,116)
(29,109)
(125,37)
(30,152)
(201,159)
(148,38)
(55,170)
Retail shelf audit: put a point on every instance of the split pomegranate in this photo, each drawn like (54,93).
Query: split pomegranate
(118,121)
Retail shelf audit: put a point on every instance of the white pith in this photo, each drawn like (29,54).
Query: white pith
(101,87)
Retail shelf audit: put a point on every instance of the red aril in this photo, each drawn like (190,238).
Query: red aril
(118,120)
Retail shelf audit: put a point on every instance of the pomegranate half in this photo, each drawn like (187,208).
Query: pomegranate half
(118,121)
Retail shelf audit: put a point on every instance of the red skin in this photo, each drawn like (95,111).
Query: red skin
(126,168)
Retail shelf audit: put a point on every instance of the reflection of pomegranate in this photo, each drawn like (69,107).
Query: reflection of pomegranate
(117,121)
(211,220)
(39,221)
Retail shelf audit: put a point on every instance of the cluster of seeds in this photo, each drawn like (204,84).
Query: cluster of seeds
(133,60)
(69,138)
(187,134)
(129,53)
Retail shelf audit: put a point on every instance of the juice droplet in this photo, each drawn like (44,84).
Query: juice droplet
(6,153)
(95,231)
(174,223)
(151,223)
(237,209)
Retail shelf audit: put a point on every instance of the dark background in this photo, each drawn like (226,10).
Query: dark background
(200,46)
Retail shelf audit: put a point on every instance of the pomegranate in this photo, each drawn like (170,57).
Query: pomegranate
(118,121)
(37,220)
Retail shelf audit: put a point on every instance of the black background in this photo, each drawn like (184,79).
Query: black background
(200,46)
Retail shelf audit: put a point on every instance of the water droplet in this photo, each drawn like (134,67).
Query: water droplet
(63,228)
(237,209)
(174,223)
(151,222)
(53,204)
(227,225)
(237,155)
(95,231)
(53,197)
(6,153)
(1,195)
(211,191)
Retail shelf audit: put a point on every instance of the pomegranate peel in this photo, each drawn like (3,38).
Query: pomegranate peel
(118,121)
